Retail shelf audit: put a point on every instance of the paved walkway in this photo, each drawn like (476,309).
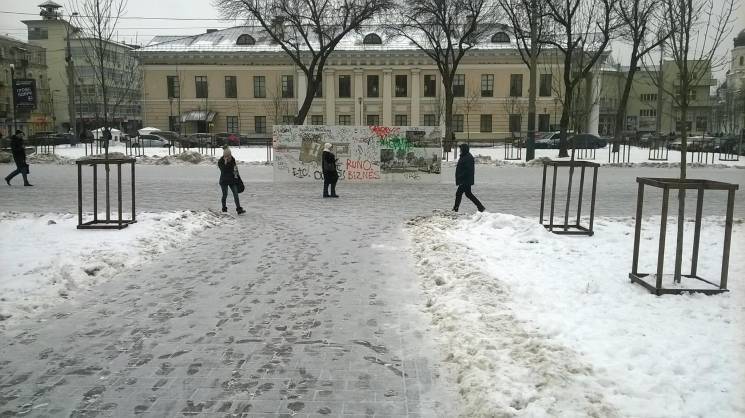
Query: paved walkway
(308,310)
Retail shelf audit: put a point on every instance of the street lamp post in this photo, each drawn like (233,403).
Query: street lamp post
(13,96)
(70,78)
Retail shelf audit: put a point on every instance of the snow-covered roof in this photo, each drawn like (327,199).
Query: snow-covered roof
(225,40)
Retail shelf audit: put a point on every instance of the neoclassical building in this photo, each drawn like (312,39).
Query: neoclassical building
(730,112)
(237,80)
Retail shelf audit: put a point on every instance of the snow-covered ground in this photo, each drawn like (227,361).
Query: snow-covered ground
(538,324)
(45,259)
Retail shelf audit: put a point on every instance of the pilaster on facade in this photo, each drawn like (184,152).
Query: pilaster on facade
(387,99)
(359,94)
(329,95)
(415,98)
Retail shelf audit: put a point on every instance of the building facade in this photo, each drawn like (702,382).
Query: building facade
(58,37)
(23,61)
(651,107)
(236,80)
(730,110)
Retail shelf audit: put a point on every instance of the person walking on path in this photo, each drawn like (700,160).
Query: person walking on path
(19,156)
(229,180)
(330,175)
(464,178)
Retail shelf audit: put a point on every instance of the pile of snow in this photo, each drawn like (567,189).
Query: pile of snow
(539,324)
(48,259)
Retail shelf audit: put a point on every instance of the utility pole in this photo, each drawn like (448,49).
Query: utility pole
(70,80)
(660,80)
(13,95)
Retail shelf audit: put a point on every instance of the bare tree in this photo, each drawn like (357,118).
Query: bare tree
(528,19)
(581,31)
(644,29)
(514,106)
(97,21)
(278,106)
(445,30)
(308,31)
(468,104)
(696,29)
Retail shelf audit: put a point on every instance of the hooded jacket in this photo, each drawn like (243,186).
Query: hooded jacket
(465,168)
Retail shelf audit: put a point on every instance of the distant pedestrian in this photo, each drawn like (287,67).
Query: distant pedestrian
(229,179)
(19,156)
(330,175)
(464,178)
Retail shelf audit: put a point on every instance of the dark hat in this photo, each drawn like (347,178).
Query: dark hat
(464,147)
(18,132)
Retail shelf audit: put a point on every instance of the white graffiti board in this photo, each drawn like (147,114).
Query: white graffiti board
(363,153)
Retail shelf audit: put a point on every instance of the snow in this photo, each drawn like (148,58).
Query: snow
(65,154)
(639,158)
(538,324)
(71,261)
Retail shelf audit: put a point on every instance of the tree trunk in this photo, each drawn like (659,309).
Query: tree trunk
(310,93)
(622,105)
(449,134)
(564,123)
(530,146)
(681,191)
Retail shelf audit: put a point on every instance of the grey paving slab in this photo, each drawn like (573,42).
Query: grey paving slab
(303,307)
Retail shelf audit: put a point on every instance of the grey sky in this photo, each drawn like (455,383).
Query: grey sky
(140,31)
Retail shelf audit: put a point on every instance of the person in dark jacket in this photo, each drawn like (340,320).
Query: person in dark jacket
(464,178)
(228,171)
(330,175)
(19,156)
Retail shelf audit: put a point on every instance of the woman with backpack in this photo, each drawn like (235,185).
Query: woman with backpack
(229,179)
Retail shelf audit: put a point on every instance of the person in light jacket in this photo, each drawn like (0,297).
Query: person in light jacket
(330,175)
(464,178)
(19,156)
(228,180)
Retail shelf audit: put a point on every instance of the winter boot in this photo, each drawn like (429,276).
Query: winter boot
(224,209)
(240,210)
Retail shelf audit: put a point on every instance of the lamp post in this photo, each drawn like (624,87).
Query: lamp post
(70,77)
(13,95)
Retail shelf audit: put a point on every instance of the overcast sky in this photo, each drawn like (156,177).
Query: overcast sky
(138,31)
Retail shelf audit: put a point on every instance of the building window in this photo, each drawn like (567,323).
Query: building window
(649,97)
(487,85)
(401,120)
(245,40)
(316,119)
(174,123)
(459,85)
(544,122)
(500,38)
(372,86)
(231,87)
(260,124)
(401,85)
(259,86)
(429,120)
(372,39)
(515,123)
(232,124)
(373,120)
(742,60)
(201,85)
(485,123)
(516,85)
(288,120)
(458,123)
(701,122)
(174,89)
(345,86)
(430,86)
(544,90)
(647,112)
(288,86)
(37,34)
(345,119)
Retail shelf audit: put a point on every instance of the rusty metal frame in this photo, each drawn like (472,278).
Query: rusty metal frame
(658,150)
(654,281)
(107,223)
(566,228)
(510,147)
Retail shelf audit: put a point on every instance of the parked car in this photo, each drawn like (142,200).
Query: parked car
(547,140)
(587,141)
(198,139)
(730,144)
(150,140)
(227,138)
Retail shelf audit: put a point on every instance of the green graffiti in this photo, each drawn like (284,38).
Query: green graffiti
(398,144)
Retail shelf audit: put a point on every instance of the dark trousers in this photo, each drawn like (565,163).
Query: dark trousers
(22,171)
(466,188)
(234,189)
(329,181)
